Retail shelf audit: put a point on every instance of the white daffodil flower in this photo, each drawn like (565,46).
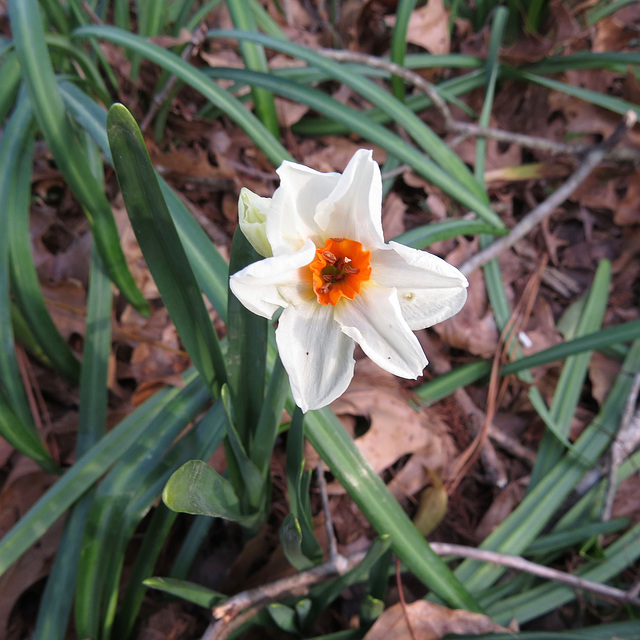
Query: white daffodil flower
(337,281)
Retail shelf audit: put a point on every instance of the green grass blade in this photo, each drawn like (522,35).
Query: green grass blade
(266,23)
(198,489)
(25,285)
(161,247)
(323,595)
(53,616)
(492,70)
(328,437)
(603,100)
(201,441)
(55,12)
(613,60)
(549,596)
(255,59)
(75,482)
(522,526)
(418,102)
(116,508)
(266,431)
(197,80)
(209,266)
(570,384)
(431,144)
(202,596)
(604,9)
(399,43)
(65,145)
(23,438)
(423,236)
(369,130)
(562,540)
(246,349)
(469,373)
(10,80)
(15,136)
(85,63)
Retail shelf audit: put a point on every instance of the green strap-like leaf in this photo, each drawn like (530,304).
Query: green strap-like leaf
(189,591)
(329,438)
(161,246)
(65,144)
(254,58)
(246,349)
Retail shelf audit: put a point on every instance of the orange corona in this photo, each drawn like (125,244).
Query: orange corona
(339,269)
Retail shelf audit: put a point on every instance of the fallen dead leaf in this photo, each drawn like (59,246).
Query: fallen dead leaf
(429,621)
(396,428)
(428,27)
(506,501)
(393,215)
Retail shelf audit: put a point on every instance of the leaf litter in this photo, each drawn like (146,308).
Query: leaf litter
(207,162)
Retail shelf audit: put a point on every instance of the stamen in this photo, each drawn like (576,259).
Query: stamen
(339,269)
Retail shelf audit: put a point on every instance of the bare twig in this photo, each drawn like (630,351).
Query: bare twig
(626,441)
(255,599)
(396,69)
(467,129)
(196,40)
(516,562)
(249,603)
(545,208)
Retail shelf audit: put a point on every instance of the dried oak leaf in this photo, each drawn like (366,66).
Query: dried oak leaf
(428,27)
(429,621)
(396,428)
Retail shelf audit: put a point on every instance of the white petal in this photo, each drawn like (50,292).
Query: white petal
(430,290)
(374,320)
(293,207)
(265,286)
(315,353)
(354,208)
(252,216)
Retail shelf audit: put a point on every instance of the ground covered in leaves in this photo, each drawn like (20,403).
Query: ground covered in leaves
(208,161)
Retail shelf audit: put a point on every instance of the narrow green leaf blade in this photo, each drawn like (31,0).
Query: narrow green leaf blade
(65,144)
(189,591)
(161,246)
(329,438)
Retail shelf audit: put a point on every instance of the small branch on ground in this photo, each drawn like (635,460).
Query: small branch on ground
(546,207)
(625,442)
(468,129)
(255,599)
(241,607)
(516,562)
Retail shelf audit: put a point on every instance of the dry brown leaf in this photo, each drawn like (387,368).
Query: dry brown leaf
(603,372)
(627,210)
(396,428)
(25,484)
(429,621)
(506,501)
(615,32)
(336,153)
(393,212)
(428,27)
(474,327)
